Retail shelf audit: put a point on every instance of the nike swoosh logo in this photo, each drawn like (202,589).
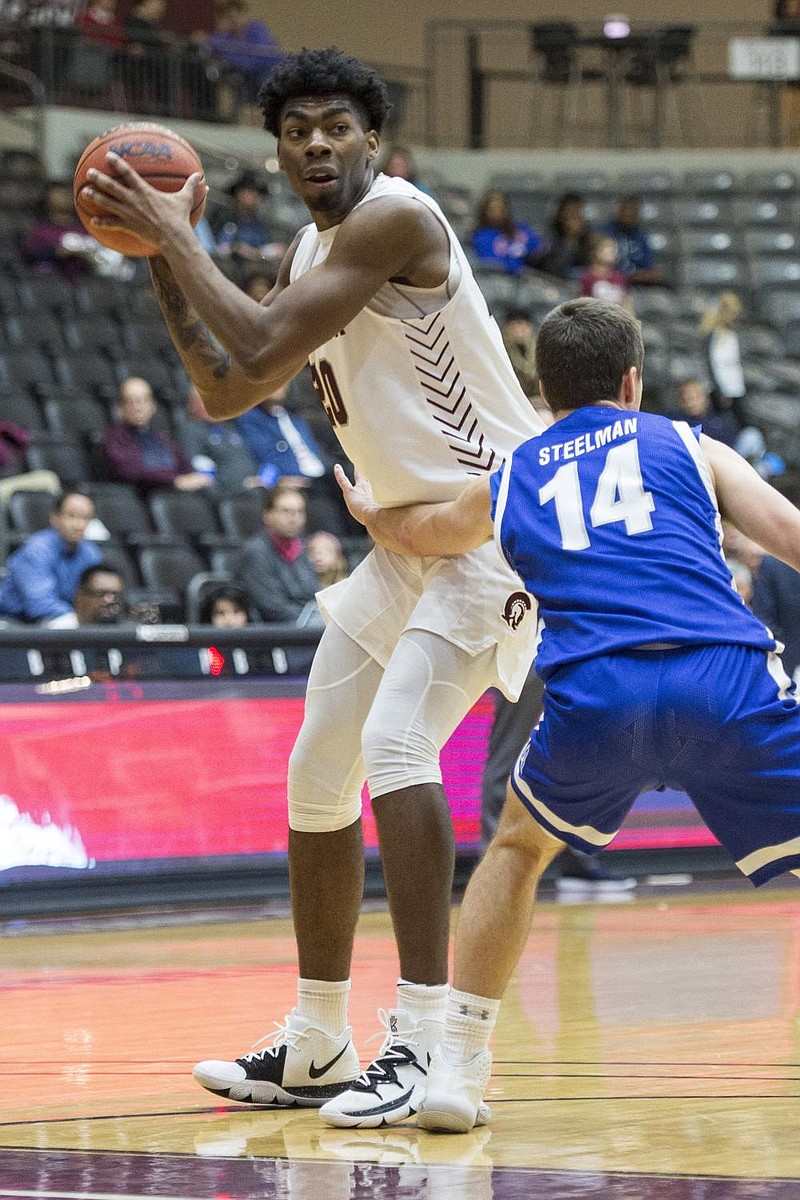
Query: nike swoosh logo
(315,1072)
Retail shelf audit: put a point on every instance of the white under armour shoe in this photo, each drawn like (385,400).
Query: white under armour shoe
(391,1088)
(302,1066)
(453,1100)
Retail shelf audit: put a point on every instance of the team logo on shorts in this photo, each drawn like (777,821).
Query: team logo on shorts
(515,608)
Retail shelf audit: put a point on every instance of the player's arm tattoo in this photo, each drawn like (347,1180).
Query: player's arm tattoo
(196,343)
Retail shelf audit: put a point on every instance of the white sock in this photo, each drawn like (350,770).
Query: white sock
(469,1026)
(324,1003)
(422,1001)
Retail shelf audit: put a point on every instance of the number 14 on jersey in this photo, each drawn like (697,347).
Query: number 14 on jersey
(620,496)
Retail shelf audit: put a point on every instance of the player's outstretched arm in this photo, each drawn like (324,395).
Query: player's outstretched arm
(752,505)
(451,527)
(377,242)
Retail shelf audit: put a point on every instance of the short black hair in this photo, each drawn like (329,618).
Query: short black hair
(62,498)
(101,568)
(325,72)
(226,591)
(583,350)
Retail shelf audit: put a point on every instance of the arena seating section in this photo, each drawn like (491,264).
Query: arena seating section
(65,349)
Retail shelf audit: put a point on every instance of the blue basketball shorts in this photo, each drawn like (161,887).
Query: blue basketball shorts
(719,722)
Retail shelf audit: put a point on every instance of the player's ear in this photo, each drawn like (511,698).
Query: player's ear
(373,145)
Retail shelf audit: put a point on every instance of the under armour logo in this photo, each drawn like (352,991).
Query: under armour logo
(480,1014)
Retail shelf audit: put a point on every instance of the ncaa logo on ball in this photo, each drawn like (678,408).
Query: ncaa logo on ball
(143,150)
(515,608)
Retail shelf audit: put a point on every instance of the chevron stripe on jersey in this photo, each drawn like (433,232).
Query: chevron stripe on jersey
(446,393)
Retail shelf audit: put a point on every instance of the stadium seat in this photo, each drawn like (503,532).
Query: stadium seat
(99,331)
(225,560)
(777,181)
(710,240)
(185,516)
(714,272)
(779,306)
(770,270)
(656,210)
(108,297)
(637,183)
(710,182)
(21,409)
(69,460)
(702,210)
(770,239)
(40,330)
(169,568)
(91,370)
(77,416)
(242,516)
(764,210)
(28,512)
(122,511)
(28,370)
(199,589)
(120,559)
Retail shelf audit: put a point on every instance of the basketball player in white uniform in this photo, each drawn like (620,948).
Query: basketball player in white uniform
(411,371)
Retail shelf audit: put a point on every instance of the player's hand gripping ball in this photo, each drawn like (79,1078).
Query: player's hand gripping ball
(160,156)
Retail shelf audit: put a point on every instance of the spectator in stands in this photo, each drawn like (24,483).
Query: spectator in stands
(399,164)
(327,557)
(100,596)
(99,23)
(519,339)
(274,567)
(694,406)
(602,279)
(243,235)
(776,600)
(58,241)
(216,448)
(42,575)
(226,607)
(634,253)
(285,450)
(244,44)
(499,240)
(570,240)
(724,356)
(138,452)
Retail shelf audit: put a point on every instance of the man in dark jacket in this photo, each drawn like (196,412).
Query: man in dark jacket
(138,452)
(274,568)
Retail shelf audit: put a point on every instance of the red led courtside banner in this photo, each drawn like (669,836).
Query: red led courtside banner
(110,781)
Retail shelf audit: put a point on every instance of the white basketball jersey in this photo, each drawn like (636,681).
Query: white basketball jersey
(420,400)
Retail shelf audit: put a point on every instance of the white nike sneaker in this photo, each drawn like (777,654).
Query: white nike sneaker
(303,1066)
(454,1094)
(391,1088)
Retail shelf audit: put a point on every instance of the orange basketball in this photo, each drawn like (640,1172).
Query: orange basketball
(160,156)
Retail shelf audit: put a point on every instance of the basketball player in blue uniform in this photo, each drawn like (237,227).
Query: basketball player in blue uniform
(655,671)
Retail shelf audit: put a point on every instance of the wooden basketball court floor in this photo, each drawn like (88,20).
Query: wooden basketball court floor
(646,1050)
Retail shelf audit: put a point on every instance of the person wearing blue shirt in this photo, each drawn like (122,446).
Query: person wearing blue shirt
(635,257)
(656,673)
(500,241)
(42,575)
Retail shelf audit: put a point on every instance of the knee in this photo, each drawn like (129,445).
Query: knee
(397,758)
(321,798)
(521,835)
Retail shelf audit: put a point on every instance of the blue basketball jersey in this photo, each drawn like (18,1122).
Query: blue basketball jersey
(611,521)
